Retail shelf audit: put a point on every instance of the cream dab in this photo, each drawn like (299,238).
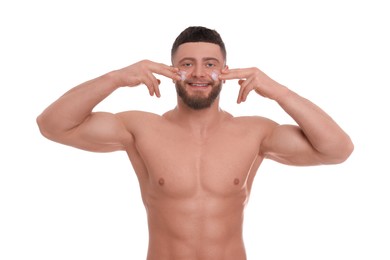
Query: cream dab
(214,75)
(183,75)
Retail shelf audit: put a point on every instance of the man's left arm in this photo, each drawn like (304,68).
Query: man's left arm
(317,139)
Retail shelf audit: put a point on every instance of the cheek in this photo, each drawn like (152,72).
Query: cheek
(183,75)
(214,75)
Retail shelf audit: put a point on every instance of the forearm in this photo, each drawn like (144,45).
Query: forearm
(323,133)
(316,139)
(72,108)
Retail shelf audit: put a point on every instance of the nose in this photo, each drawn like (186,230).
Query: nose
(199,71)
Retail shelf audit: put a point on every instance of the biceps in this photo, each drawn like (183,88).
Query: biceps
(287,144)
(100,132)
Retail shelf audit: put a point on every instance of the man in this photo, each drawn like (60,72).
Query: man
(195,163)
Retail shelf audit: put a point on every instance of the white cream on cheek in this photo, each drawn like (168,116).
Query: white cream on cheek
(183,75)
(214,75)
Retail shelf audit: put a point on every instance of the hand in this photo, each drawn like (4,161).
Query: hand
(252,79)
(142,72)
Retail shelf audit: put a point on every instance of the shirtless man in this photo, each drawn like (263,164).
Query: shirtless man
(195,163)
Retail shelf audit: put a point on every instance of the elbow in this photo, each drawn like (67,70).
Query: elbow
(341,152)
(44,127)
(346,151)
(350,148)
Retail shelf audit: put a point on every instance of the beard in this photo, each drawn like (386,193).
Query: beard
(195,101)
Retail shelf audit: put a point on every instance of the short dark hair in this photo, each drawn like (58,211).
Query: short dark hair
(198,34)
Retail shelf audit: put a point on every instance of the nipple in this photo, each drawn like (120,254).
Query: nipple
(236,181)
(161,181)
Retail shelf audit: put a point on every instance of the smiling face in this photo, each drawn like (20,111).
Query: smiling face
(199,65)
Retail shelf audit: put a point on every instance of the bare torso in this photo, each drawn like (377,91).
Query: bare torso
(195,187)
(196,163)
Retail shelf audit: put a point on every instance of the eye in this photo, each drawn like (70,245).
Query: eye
(187,64)
(210,65)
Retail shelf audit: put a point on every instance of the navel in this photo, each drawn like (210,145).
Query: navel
(161,181)
(236,181)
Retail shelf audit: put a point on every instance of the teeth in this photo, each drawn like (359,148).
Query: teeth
(199,85)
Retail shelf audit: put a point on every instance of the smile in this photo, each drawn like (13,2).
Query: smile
(202,85)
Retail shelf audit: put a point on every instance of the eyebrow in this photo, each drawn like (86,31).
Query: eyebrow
(203,59)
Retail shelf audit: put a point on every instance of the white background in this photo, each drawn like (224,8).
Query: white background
(57,202)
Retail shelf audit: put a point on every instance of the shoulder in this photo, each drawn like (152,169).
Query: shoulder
(135,119)
(256,127)
(133,114)
(257,122)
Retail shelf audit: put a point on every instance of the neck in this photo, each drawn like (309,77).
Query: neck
(198,121)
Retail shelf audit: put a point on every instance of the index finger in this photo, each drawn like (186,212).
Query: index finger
(234,74)
(165,70)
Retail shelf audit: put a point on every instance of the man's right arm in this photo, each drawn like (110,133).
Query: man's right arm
(70,120)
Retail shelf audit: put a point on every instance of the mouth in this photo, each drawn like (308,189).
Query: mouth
(199,85)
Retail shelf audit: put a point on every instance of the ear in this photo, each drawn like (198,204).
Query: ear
(225,69)
(174,81)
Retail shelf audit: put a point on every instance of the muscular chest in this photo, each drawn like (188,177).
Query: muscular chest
(180,165)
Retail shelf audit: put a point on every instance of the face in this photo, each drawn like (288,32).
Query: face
(199,65)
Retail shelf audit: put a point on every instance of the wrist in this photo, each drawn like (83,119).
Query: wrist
(283,95)
(279,91)
(113,79)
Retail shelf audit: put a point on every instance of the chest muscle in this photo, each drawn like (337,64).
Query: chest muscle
(179,166)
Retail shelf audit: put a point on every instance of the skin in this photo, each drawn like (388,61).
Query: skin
(195,167)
